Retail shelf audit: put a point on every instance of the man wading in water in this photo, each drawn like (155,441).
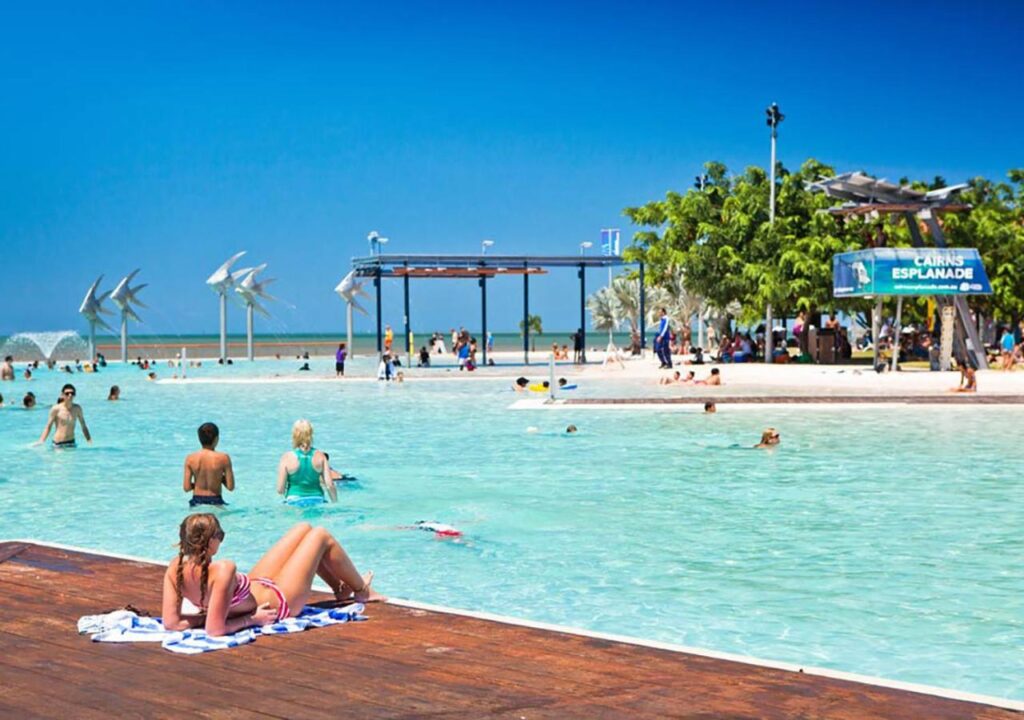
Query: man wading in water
(63,416)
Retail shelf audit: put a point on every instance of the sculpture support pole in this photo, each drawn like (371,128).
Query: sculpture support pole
(223,326)
(92,341)
(348,325)
(124,337)
(248,331)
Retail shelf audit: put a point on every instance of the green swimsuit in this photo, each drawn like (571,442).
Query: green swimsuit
(305,482)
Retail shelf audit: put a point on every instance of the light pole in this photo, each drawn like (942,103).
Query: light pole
(700,181)
(376,240)
(484,244)
(584,246)
(774,117)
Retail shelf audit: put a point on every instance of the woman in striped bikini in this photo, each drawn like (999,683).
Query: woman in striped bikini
(276,587)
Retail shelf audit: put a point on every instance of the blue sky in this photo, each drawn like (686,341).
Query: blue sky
(168,136)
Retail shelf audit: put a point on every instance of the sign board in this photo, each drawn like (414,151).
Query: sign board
(610,242)
(909,271)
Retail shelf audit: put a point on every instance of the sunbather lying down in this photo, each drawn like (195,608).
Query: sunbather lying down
(280,583)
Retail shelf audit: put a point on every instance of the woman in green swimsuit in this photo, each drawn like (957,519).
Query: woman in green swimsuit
(303,474)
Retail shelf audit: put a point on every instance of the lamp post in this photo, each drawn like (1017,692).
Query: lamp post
(484,244)
(700,181)
(584,246)
(376,240)
(774,117)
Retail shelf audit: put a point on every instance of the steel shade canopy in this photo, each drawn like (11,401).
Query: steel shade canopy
(483,267)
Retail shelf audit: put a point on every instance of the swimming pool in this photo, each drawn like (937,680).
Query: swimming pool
(874,540)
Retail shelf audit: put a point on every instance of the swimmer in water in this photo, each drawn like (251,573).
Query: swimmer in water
(439,529)
(570,430)
(769,439)
(115,393)
(62,419)
(520,384)
(709,407)
(29,401)
(207,471)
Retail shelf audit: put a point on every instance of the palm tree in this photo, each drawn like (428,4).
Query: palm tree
(604,310)
(534,324)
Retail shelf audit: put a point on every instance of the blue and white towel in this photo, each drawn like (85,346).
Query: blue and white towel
(125,626)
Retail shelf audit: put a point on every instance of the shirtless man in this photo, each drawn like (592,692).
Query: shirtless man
(62,419)
(7,369)
(207,470)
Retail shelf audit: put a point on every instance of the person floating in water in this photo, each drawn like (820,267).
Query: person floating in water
(281,581)
(303,473)
(207,471)
(62,419)
(769,439)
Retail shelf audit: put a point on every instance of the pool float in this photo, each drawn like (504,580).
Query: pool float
(537,387)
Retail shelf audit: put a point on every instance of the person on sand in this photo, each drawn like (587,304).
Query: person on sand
(303,473)
(769,439)
(62,419)
(715,378)
(207,471)
(968,379)
(676,378)
(281,580)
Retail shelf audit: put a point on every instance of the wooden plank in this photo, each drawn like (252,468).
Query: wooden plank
(402,663)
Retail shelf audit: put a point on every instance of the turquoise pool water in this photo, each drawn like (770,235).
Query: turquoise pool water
(878,541)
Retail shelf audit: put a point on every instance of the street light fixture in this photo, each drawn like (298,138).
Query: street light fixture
(376,241)
(774,117)
(484,244)
(584,246)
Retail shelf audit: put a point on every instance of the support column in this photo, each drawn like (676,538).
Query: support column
(583,314)
(643,313)
(483,317)
(380,334)
(124,337)
(768,334)
(526,315)
(248,332)
(92,341)
(408,332)
(876,327)
(224,327)
(897,333)
(964,327)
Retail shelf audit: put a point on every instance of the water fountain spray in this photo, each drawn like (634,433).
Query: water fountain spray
(123,296)
(90,309)
(221,282)
(249,291)
(347,290)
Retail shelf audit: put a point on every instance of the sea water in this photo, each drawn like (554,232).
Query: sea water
(874,540)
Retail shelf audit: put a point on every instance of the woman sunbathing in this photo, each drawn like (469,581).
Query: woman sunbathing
(280,582)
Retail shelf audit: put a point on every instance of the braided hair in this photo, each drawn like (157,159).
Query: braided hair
(195,534)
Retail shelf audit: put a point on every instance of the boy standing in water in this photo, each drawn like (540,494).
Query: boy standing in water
(62,420)
(207,470)
(339,360)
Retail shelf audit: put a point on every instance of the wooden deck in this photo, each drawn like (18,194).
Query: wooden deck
(402,663)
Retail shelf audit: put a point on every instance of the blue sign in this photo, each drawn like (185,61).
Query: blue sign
(909,271)
(610,242)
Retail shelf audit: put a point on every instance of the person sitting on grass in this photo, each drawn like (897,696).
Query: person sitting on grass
(281,583)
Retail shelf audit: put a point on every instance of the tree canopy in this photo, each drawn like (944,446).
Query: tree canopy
(719,239)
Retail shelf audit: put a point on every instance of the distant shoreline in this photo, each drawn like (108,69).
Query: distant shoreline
(207,346)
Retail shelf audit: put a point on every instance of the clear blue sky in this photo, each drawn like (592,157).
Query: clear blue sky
(169,135)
